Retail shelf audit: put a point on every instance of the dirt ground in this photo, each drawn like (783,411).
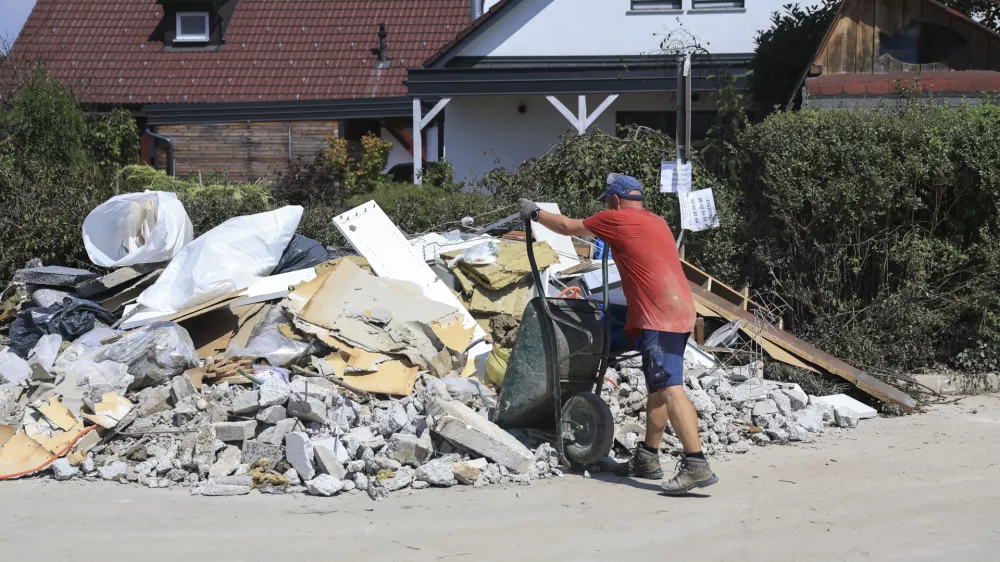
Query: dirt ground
(923,487)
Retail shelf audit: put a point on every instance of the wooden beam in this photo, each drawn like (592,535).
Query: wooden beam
(600,109)
(426,119)
(804,351)
(564,110)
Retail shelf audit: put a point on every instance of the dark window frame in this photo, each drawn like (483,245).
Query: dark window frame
(718,4)
(657,5)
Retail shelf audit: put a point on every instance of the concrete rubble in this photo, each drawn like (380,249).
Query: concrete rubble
(347,383)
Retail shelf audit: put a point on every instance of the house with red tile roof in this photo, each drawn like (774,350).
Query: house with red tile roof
(877,50)
(242,87)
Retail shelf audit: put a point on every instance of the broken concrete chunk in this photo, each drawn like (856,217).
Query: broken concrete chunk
(467,472)
(324,485)
(181,387)
(863,410)
(254,450)
(53,276)
(462,426)
(227,462)
(300,454)
(782,401)
(765,408)
(274,392)
(330,457)
(410,449)
(272,414)
(356,438)
(62,470)
(113,471)
(796,397)
(153,400)
(846,416)
(235,431)
(276,435)
(701,400)
(307,409)
(245,402)
(438,472)
(226,486)
(401,479)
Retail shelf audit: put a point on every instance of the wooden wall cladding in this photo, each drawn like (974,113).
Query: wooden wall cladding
(242,151)
(854,44)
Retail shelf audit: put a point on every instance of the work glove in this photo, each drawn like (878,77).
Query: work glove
(529,209)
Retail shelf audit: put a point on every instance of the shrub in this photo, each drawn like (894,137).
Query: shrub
(419,209)
(879,228)
(207,206)
(574,173)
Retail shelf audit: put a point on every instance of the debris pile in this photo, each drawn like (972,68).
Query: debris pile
(248,359)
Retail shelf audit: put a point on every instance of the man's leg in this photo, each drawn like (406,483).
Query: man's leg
(663,364)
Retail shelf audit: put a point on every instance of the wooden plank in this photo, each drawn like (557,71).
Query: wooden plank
(699,331)
(850,46)
(834,55)
(979,50)
(866,37)
(805,351)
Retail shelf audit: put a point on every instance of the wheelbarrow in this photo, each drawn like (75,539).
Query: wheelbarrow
(556,371)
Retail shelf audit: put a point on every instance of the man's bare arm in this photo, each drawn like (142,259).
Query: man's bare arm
(562,224)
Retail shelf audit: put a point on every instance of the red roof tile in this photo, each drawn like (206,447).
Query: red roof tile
(274,50)
(959,82)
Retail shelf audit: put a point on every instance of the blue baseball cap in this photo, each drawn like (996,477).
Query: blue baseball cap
(622,186)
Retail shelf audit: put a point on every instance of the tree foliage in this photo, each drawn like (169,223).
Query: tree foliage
(784,51)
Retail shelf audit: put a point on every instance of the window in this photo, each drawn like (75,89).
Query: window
(924,43)
(718,4)
(192,27)
(655,5)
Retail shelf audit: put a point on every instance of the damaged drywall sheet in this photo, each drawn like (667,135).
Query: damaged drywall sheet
(110,410)
(511,267)
(392,377)
(275,286)
(374,236)
(561,244)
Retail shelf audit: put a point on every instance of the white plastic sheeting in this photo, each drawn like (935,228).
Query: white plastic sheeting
(135,228)
(234,255)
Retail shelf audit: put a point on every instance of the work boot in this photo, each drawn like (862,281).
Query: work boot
(691,473)
(645,464)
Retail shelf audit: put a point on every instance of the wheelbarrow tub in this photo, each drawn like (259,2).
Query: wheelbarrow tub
(527,398)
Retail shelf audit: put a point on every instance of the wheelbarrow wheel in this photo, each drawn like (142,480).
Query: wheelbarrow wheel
(593,428)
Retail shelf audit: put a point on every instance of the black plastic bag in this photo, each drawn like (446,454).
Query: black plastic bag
(301,253)
(73,318)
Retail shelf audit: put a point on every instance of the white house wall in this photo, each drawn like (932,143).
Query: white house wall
(609,27)
(485,132)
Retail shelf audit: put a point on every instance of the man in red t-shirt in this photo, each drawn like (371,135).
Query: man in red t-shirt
(660,312)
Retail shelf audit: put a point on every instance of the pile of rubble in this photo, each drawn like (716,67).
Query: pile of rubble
(306,373)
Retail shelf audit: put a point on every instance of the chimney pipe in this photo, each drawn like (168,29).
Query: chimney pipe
(477,9)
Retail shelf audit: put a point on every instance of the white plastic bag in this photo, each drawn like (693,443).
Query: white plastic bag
(13,370)
(480,254)
(153,355)
(136,228)
(231,256)
(46,351)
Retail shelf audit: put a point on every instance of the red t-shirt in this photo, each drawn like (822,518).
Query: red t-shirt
(654,284)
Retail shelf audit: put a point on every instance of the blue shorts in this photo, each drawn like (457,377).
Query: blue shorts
(663,359)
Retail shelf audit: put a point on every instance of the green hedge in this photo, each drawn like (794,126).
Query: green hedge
(879,228)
